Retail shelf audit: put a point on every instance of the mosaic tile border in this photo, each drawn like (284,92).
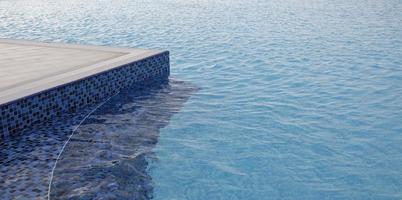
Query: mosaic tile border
(22,113)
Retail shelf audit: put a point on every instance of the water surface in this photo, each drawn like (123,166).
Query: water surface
(298,99)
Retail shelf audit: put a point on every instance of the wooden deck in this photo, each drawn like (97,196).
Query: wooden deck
(28,67)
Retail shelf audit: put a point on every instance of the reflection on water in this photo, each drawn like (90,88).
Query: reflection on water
(107,157)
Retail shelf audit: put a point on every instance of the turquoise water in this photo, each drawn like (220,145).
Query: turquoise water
(294,100)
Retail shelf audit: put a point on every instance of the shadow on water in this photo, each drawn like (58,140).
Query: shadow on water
(107,157)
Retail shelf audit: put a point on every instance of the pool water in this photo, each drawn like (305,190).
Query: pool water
(286,99)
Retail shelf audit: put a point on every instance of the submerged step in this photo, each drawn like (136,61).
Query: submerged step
(39,81)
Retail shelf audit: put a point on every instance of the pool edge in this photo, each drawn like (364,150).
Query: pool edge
(22,112)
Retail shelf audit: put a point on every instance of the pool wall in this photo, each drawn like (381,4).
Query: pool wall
(21,113)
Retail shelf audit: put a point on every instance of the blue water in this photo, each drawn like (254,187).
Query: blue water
(295,100)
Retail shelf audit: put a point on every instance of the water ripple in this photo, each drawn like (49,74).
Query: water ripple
(300,99)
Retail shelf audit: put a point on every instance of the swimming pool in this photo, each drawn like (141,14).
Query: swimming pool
(268,99)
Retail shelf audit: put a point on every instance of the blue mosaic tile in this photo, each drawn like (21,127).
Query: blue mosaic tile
(20,114)
(35,165)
